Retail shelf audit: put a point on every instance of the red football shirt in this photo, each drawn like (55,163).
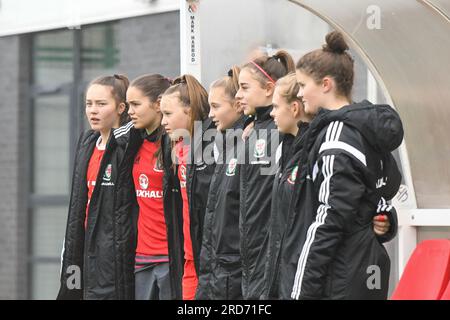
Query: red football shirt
(182,152)
(92,173)
(190,279)
(148,183)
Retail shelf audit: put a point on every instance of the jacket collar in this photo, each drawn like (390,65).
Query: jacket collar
(207,124)
(239,124)
(152,137)
(90,136)
(263,113)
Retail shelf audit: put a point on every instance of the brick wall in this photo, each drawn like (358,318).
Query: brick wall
(150,44)
(13,167)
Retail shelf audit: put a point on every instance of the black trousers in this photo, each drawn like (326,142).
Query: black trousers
(153,282)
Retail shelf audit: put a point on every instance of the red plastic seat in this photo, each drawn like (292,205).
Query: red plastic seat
(446,295)
(427,272)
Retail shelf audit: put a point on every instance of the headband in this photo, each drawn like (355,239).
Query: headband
(262,70)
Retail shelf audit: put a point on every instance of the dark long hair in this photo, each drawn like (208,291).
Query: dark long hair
(153,86)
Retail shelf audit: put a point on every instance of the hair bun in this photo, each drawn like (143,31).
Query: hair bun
(335,43)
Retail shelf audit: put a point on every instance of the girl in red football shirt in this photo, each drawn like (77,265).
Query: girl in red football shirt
(152,271)
(183,104)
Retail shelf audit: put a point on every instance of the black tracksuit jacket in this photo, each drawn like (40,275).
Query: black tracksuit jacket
(283,205)
(220,274)
(256,181)
(329,250)
(104,252)
(198,178)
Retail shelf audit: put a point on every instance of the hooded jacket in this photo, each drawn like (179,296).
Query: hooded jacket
(330,250)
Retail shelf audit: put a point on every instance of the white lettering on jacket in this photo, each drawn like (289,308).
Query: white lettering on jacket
(149,194)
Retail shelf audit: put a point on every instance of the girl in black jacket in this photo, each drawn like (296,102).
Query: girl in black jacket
(185,111)
(291,120)
(330,250)
(256,86)
(220,273)
(94,260)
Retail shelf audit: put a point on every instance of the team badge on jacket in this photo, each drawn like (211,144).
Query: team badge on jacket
(108,173)
(143,181)
(231,169)
(293,175)
(183,176)
(260,148)
(183,172)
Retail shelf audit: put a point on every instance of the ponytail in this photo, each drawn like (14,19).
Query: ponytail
(286,59)
(272,68)
(233,75)
(191,94)
(122,78)
(230,83)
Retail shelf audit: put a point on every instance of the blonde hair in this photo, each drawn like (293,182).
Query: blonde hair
(288,88)
(191,94)
(230,83)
